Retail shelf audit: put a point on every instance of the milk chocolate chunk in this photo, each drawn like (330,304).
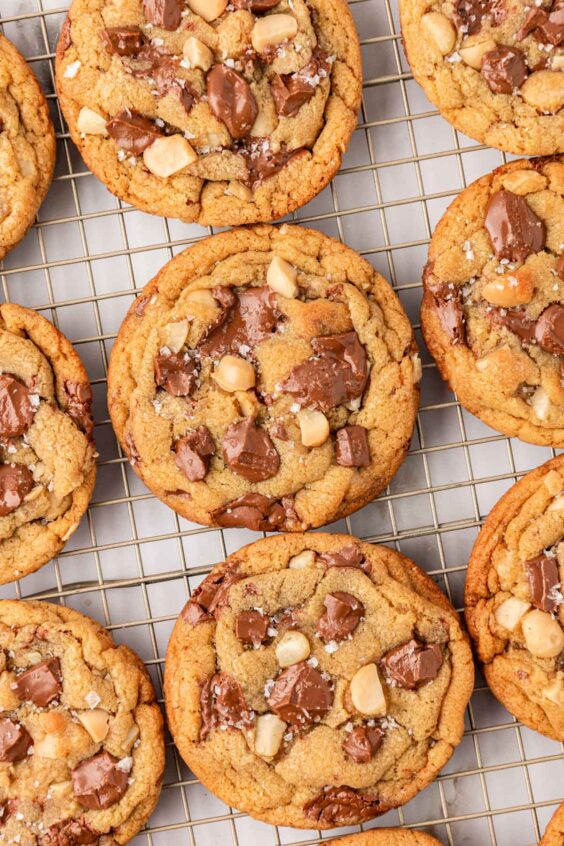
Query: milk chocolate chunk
(249,451)
(344,613)
(413,663)
(65,38)
(263,162)
(256,6)
(517,322)
(79,405)
(451,315)
(560,266)
(16,481)
(231,100)
(468,15)
(16,410)
(289,93)
(40,684)
(193,453)
(504,69)
(351,447)
(532,20)
(342,806)
(99,782)
(363,742)
(69,833)
(515,230)
(14,741)
(132,132)
(123,40)
(249,317)
(300,695)
(164,13)
(177,373)
(551,31)
(210,596)
(549,329)
(222,703)
(256,512)
(544,582)
(251,627)
(348,556)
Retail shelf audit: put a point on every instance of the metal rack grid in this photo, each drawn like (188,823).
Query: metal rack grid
(133,560)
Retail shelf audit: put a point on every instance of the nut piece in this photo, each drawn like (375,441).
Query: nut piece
(555,691)
(510,289)
(132,736)
(508,614)
(557,504)
(209,10)
(292,648)
(281,277)
(366,692)
(90,122)
(96,722)
(237,189)
(269,732)
(440,30)
(473,54)
(174,335)
(202,296)
(314,427)
(168,155)
(557,62)
(544,91)
(234,374)
(544,636)
(302,560)
(524,182)
(540,403)
(271,30)
(197,53)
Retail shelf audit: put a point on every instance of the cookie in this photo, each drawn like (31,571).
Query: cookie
(315,681)
(27,146)
(387,837)
(494,69)
(47,469)
(514,602)
(554,834)
(492,312)
(266,378)
(208,112)
(81,736)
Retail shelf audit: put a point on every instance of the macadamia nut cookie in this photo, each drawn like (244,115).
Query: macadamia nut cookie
(514,601)
(492,312)
(266,378)
(207,111)
(316,681)
(81,739)
(494,68)
(554,834)
(387,837)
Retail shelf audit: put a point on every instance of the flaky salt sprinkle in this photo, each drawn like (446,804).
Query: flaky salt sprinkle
(72,69)
(92,699)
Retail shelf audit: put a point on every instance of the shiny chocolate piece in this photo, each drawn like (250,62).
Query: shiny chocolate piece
(194,452)
(16,410)
(514,229)
(222,703)
(560,266)
(348,556)
(177,373)
(249,451)
(255,6)
(535,16)
(69,833)
(344,613)
(547,26)
(413,663)
(79,405)
(363,742)
(549,329)
(132,132)
(41,684)
(342,806)
(256,512)
(210,596)
(517,322)
(543,579)
(263,162)
(351,447)
(14,741)
(468,15)
(164,13)
(122,40)
(300,695)
(249,317)
(65,38)
(251,627)
(99,782)
(504,69)
(290,92)
(16,481)
(231,100)
(451,315)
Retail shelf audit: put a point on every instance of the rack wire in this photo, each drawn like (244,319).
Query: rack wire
(133,560)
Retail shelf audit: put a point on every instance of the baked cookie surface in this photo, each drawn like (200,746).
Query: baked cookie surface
(554,834)
(492,313)
(514,603)
(387,837)
(208,112)
(27,146)
(81,738)
(47,469)
(266,378)
(494,69)
(315,681)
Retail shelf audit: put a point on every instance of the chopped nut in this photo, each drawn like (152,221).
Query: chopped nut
(508,614)
(272,30)
(440,30)
(417,368)
(281,277)
(248,403)
(90,122)
(314,427)
(132,736)
(366,691)
(174,335)
(510,289)
(292,648)
(555,173)
(472,52)
(61,790)
(544,636)
(557,62)
(557,504)
(553,482)
(50,746)
(234,374)
(555,691)
(269,732)
(540,403)
(265,124)
(203,296)
(524,182)
(209,10)
(197,53)
(544,91)
(96,722)
(34,493)
(302,560)
(169,155)
(237,189)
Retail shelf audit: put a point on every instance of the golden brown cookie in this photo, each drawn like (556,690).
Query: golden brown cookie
(27,146)
(208,112)
(81,735)
(387,837)
(554,834)
(492,312)
(47,469)
(266,378)
(494,69)
(514,603)
(315,681)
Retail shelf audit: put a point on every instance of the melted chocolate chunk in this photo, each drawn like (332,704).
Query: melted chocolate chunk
(517,322)
(98,782)
(164,13)
(16,481)
(300,695)
(65,38)
(194,452)
(177,373)
(79,405)
(549,329)
(69,833)
(344,613)
(132,132)
(504,69)
(363,742)
(468,15)
(515,230)
(249,451)
(210,596)
(351,448)
(41,683)
(546,26)
(231,100)
(560,266)
(256,512)
(123,40)
(289,93)
(348,556)
(263,162)
(342,806)
(16,410)
(412,664)
(223,704)
(14,741)
(255,6)
(251,627)
(544,582)
(248,318)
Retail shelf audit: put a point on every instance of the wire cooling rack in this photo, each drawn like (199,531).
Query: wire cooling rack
(133,561)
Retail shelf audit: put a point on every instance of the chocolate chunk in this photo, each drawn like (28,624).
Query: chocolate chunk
(99,782)
(231,100)
(551,31)
(16,481)
(533,19)
(549,329)
(342,806)
(351,448)
(289,93)
(248,318)
(164,13)
(69,833)
(544,582)
(336,374)
(363,742)
(210,596)
(177,373)
(412,664)
(468,15)
(14,741)
(348,556)
(41,683)
(300,695)
(517,322)
(560,266)
(504,69)
(223,703)
(249,451)
(278,430)
(513,227)
(255,6)
(263,162)
(132,132)
(251,627)
(65,38)
(16,410)
(253,511)
(122,40)
(344,613)
(79,405)
(193,453)
(451,316)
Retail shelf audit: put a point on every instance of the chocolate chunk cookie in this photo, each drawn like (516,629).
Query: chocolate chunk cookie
(266,378)
(81,739)
(554,834)
(387,837)
(514,601)
(494,68)
(207,111)
(27,146)
(47,469)
(284,692)
(492,312)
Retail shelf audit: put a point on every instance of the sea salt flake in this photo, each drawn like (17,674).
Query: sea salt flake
(72,69)
(92,699)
